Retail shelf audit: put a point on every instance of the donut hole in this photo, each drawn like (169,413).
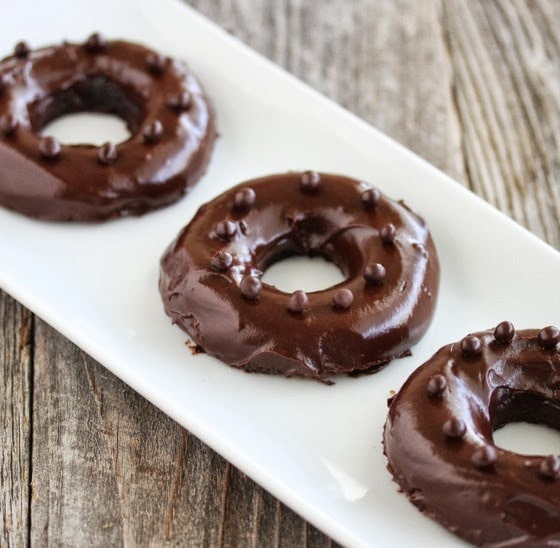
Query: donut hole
(88,128)
(94,110)
(306,258)
(320,253)
(528,424)
(308,273)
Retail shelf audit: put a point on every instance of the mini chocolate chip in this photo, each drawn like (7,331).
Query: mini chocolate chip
(310,181)
(8,124)
(250,287)
(244,199)
(22,50)
(550,467)
(388,233)
(153,132)
(484,456)
(181,101)
(370,198)
(299,302)
(221,261)
(342,298)
(107,154)
(95,43)
(226,230)
(471,346)
(374,273)
(156,63)
(549,337)
(49,147)
(454,428)
(504,332)
(436,385)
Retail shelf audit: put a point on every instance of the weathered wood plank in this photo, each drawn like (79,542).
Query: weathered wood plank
(386,61)
(506,61)
(75,497)
(16,334)
(109,468)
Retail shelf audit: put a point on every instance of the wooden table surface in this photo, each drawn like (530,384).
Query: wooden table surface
(472,86)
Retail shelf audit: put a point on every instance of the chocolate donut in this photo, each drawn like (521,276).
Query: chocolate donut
(211,277)
(166,111)
(439,444)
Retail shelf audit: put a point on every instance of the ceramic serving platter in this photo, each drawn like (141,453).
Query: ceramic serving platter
(316,447)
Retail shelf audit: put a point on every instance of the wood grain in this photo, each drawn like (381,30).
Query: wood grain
(507,71)
(473,87)
(16,336)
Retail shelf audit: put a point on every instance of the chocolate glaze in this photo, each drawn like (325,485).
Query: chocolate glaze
(354,326)
(166,111)
(455,474)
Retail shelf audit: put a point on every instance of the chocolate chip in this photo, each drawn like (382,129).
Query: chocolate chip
(436,385)
(550,467)
(250,287)
(504,332)
(221,261)
(484,456)
(549,337)
(153,132)
(374,273)
(22,50)
(226,230)
(95,43)
(471,346)
(299,302)
(244,199)
(388,233)
(454,428)
(49,147)
(181,101)
(370,198)
(107,154)
(310,181)
(8,124)
(156,63)
(343,298)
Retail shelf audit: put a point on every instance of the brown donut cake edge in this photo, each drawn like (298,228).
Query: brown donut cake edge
(439,444)
(171,122)
(210,279)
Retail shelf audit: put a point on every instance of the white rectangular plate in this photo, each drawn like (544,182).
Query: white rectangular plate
(315,447)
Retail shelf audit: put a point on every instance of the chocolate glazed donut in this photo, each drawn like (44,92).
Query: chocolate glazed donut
(438,437)
(164,106)
(211,277)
